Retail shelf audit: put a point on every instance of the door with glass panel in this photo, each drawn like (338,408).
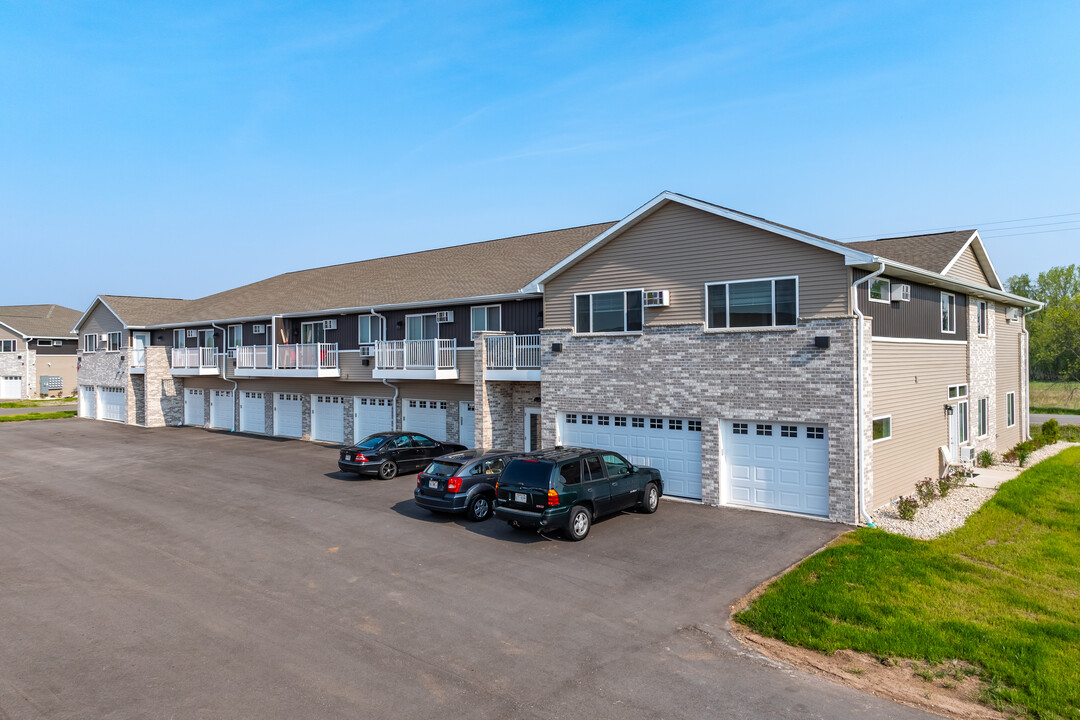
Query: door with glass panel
(420,334)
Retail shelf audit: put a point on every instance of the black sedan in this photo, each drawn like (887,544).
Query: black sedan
(462,482)
(386,454)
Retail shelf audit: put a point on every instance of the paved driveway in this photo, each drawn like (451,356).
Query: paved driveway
(191,574)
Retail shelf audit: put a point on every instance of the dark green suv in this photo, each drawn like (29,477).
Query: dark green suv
(566,488)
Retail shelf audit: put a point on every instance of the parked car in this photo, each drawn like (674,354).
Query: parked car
(567,488)
(462,482)
(386,454)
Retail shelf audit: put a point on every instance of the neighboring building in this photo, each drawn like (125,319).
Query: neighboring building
(717,346)
(38,351)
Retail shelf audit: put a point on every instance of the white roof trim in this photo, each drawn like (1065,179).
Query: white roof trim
(976,244)
(952,284)
(20,334)
(851,255)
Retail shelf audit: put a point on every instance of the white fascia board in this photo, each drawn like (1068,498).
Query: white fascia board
(21,335)
(910,272)
(851,255)
(984,257)
(89,310)
(956,257)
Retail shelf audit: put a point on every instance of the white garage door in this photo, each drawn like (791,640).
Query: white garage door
(11,387)
(372,415)
(222,409)
(113,402)
(781,466)
(194,409)
(87,401)
(328,418)
(467,427)
(252,412)
(288,415)
(671,445)
(425,416)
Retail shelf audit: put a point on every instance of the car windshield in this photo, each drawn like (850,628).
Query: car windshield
(371,442)
(528,473)
(444,469)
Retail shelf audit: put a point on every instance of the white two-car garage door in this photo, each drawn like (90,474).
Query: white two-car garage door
(425,416)
(671,445)
(328,418)
(372,415)
(780,466)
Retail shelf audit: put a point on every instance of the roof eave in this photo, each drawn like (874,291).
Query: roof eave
(910,272)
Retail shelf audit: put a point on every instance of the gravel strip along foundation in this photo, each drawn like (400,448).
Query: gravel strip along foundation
(1040,455)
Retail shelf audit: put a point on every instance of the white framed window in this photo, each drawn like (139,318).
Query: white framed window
(981,321)
(312,332)
(178,338)
(1010,409)
(962,410)
(984,417)
(234,336)
(114,341)
(882,428)
(609,312)
(421,327)
(948,313)
(206,338)
(486,317)
(46,343)
(89,342)
(768,302)
(369,330)
(881,290)
(958,391)
(8,346)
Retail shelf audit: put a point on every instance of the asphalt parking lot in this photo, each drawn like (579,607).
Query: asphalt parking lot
(183,573)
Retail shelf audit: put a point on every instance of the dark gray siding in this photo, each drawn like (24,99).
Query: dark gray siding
(919,318)
(69,347)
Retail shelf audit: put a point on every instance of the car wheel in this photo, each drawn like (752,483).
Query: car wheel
(651,500)
(479,509)
(580,522)
(388,470)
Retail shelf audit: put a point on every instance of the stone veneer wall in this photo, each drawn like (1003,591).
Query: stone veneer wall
(164,393)
(500,405)
(103,368)
(982,375)
(684,371)
(15,363)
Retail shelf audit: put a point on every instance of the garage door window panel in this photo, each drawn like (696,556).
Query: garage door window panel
(612,312)
(771,302)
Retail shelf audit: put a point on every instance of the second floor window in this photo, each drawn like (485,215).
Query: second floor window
(234,336)
(611,312)
(370,329)
(421,327)
(312,332)
(948,313)
(178,339)
(114,341)
(880,290)
(487,317)
(753,303)
(89,343)
(982,317)
(8,346)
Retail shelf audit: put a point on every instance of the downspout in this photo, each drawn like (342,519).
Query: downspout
(1027,377)
(859,390)
(225,364)
(387,383)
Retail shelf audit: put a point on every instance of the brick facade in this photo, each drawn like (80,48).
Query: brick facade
(982,376)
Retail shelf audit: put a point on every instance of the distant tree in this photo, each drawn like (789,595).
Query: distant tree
(1054,332)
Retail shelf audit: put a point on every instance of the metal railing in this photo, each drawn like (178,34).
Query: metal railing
(251,357)
(307,356)
(513,352)
(197,357)
(415,355)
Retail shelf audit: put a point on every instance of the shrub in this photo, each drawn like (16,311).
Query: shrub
(927,490)
(906,507)
(1009,455)
(945,484)
(986,458)
(1069,433)
(1049,431)
(1023,452)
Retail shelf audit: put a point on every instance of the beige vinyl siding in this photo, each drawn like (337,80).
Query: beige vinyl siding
(967,268)
(101,320)
(680,249)
(5,334)
(910,381)
(1007,359)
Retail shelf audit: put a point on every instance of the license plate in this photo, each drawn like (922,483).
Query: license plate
(433,484)
(521,498)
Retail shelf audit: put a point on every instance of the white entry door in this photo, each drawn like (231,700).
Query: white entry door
(467,424)
(113,403)
(11,387)
(372,415)
(87,402)
(778,465)
(671,445)
(288,415)
(252,412)
(425,416)
(194,407)
(222,409)
(328,418)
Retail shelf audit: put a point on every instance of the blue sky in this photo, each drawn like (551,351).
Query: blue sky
(179,149)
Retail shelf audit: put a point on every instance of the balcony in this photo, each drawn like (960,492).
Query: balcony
(416,360)
(137,361)
(193,361)
(304,360)
(512,357)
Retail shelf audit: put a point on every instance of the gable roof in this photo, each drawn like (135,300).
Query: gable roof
(39,321)
(937,252)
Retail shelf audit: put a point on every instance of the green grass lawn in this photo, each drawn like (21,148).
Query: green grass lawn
(1055,397)
(37,403)
(1002,592)
(39,416)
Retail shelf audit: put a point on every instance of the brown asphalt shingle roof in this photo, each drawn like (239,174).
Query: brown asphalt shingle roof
(929,252)
(139,311)
(40,321)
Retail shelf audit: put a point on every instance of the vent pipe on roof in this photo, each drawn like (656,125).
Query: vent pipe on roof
(860,443)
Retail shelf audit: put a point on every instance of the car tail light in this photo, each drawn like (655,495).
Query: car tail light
(360,458)
(453,484)
(553,497)
(496,487)
(418,481)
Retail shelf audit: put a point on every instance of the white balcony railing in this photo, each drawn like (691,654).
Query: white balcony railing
(307,356)
(138,358)
(197,357)
(513,352)
(254,357)
(416,355)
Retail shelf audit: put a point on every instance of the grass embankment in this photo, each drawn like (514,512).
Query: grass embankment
(37,403)
(1055,398)
(39,416)
(1002,593)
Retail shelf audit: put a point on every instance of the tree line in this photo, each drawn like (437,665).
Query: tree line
(1054,341)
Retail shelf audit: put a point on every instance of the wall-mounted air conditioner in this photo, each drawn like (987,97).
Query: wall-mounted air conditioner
(329,324)
(193,333)
(444,316)
(367,351)
(1012,314)
(656,298)
(258,329)
(900,292)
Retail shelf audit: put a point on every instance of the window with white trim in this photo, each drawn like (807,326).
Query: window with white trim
(882,428)
(369,330)
(772,302)
(638,422)
(984,417)
(312,332)
(47,343)
(424,326)
(486,318)
(1010,409)
(880,290)
(178,340)
(958,391)
(234,336)
(764,430)
(948,313)
(89,342)
(982,317)
(962,411)
(610,312)
(815,433)
(789,431)
(114,341)
(8,346)
(739,429)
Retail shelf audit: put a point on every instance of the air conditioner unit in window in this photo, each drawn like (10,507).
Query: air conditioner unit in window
(656,298)
(1012,314)
(104,337)
(367,351)
(444,316)
(901,293)
(193,333)
(258,329)
(329,324)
